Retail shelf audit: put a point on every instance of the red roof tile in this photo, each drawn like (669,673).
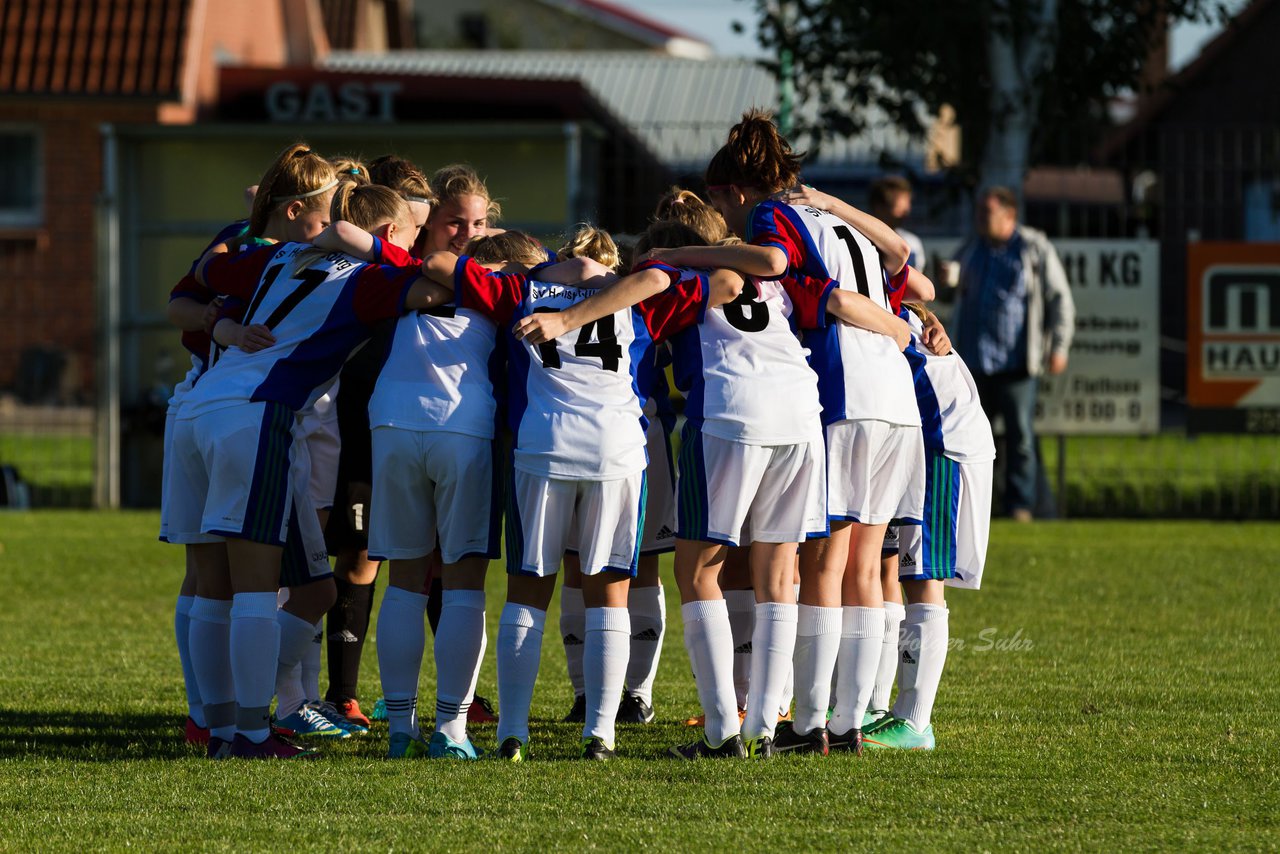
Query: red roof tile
(93,47)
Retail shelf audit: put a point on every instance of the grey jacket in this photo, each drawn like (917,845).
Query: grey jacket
(1051,313)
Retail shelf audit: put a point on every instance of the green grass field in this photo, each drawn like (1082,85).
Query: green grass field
(1114,685)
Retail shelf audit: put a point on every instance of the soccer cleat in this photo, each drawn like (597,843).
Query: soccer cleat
(873,718)
(308,723)
(217,748)
(850,742)
(379,712)
(730,748)
(701,720)
(577,714)
(350,709)
(898,734)
(788,740)
(406,746)
(443,747)
(595,749)
(334,715)
(196,734)
(512,749)
(481,711)
(273,747)
(633,710)
(760,748)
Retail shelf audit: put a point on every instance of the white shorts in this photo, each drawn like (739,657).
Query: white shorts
(185,487)
(951,544)
(600,517)
(429,487)
(241,459)
(732,493)
(660,479)
(875,472)
(318,430)
(169,485)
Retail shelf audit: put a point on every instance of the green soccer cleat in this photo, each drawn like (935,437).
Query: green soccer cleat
(760,748)
(899,735)
(594,749)
(334,715)
(405,746)
(443,747)
(731,748)
(873,718)
(512,749)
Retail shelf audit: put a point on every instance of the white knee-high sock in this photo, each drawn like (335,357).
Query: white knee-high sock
(648,607)
(860,640)
(402,639)
(182,634)
(773,644)
(520,632)
(742,614)
(605,654)
(924,653)
(295,640)
(789,688)
(459,647)
(709,641)
(210,644)
(887,670)
(573,633)
(255,652)
(311,663)
(817,644)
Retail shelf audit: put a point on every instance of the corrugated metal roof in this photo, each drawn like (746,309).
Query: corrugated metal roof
(681,108)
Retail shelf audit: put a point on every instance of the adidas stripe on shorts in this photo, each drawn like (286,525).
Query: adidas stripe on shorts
(951,544)
(659,534)
(726,488)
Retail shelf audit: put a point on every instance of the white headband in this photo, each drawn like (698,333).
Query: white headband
(326,188)
(420,200)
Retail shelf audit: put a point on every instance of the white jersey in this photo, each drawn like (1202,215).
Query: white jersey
(861,374)
(319,306)
(744,371)
(574,404)
(953,421)
(438,372)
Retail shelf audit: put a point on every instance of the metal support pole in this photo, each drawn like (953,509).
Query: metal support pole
(1062,476)
(106,481)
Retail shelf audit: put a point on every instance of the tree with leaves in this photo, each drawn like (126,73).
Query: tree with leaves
(1020,74)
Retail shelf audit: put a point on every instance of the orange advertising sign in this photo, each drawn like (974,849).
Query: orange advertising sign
(1233,325)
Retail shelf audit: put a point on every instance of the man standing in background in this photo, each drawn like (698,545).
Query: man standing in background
(1014,319)
(890,201)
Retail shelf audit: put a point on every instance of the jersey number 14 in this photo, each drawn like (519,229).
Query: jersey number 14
(605,347)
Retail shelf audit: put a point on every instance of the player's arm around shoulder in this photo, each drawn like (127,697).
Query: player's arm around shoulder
(856,310)
(725,286)
(624,293)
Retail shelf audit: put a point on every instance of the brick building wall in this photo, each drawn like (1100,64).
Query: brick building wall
(48,271)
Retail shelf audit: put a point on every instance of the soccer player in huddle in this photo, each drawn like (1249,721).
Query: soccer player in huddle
(319,307)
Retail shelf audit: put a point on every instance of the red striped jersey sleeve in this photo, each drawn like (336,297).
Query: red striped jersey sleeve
(189,288)
(897,288)
(381,290)
(495,295)
(769,226)
(679,307)
(389,253)
(809,296)
(237,274)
